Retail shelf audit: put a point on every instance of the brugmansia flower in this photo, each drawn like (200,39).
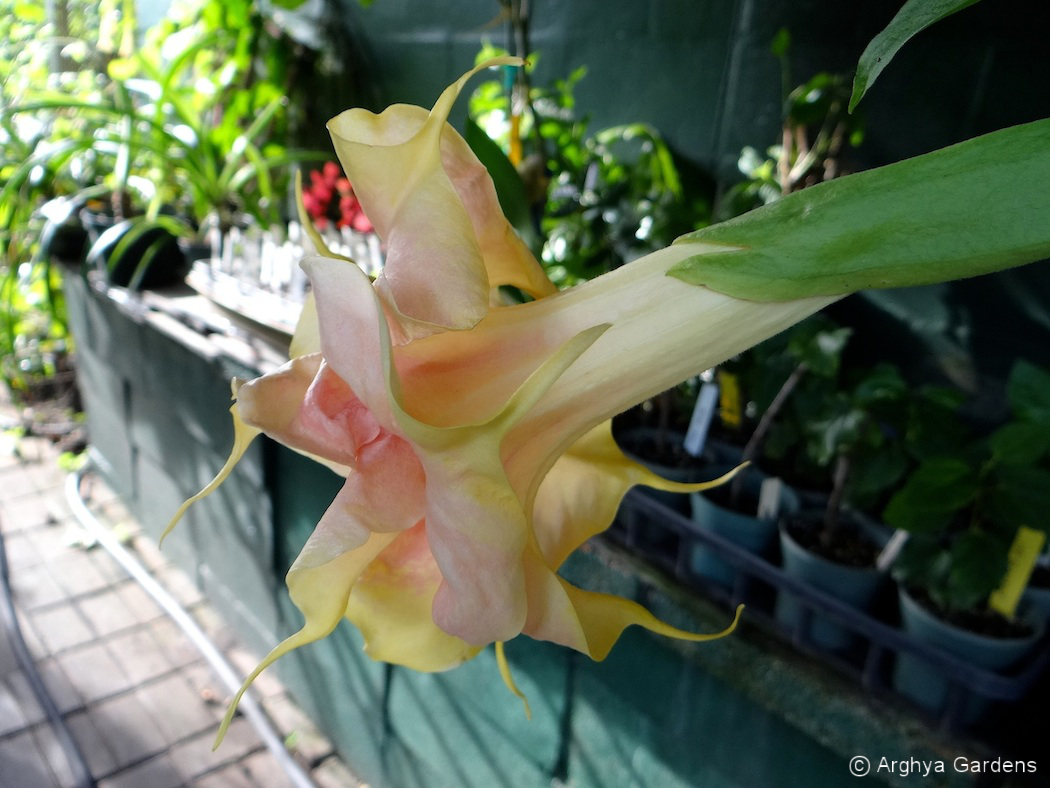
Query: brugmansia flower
(474,435)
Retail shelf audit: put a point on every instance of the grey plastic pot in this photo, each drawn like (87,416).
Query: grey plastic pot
(925,684)
(751,533)
(855,586)
(1038,599)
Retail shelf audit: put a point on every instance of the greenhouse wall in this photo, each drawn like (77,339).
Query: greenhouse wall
(702,71)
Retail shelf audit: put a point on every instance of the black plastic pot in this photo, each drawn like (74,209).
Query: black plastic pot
(138,256)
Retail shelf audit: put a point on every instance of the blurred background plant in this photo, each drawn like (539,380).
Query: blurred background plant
(186,128)
(809,413)
(321,203)
(44,158)
(598,199)
(816,135)
(195,122)
(963,506)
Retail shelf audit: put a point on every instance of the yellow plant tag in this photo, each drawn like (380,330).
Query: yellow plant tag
(1028,544)
(729,405)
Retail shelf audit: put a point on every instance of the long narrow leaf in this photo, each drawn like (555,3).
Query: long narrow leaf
(167,80)
(243,141)
(916,15)
(969,209)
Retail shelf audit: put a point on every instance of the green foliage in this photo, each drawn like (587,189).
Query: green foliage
(977,495)
(969,209)
(600,199)
(34,339)
(194,119)
(915,16)
(855,431)
(209,89)
(815,131)
(1028,391)
(787,380)
(40,160)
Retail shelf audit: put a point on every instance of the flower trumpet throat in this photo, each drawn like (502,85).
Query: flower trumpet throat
(473,436)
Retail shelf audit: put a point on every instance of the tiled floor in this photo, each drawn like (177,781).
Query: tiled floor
(139,699)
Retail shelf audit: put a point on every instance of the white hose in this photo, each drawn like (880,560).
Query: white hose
(222,668)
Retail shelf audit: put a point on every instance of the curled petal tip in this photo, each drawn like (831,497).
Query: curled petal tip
(508,679)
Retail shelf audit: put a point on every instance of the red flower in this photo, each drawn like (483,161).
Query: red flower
(318,200)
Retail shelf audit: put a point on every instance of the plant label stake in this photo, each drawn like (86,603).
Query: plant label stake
(729,402)
(703,412)
(1024,552)
(769,497)
(892,549)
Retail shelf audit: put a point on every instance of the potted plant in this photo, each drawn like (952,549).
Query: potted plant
(868,434)
(816,132)
(782,375)
(963,512)
(202,158)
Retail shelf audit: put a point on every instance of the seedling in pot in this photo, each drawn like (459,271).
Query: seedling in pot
(811,355)
(964,511)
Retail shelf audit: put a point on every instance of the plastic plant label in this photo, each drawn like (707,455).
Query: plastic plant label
(769,497)
(1025,550)
(729,403)
(892,549)
(703,412)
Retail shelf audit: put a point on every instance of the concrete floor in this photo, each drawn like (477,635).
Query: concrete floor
(137,696)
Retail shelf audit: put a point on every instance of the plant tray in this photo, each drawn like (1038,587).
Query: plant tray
(758,581)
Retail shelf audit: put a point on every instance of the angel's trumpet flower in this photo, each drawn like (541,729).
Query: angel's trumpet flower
(473,435)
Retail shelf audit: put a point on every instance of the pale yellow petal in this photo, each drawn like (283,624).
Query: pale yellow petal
(508,679)
(587,621)
(475,523)
(243,435)
(604,618)
(580,495)
(434,277)
(319,584)
(391,605)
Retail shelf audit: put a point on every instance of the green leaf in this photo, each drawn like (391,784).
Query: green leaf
(932,495)
(819,348)
(781,42)
(883,384)
(510,189)
(969,209)
(923,562)
(30,12)
(916,15)
(835,435)
(978,565)
(1018,495)
(122,69)
(877,471)
(1017,443)
(1028,390)
(934,428)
